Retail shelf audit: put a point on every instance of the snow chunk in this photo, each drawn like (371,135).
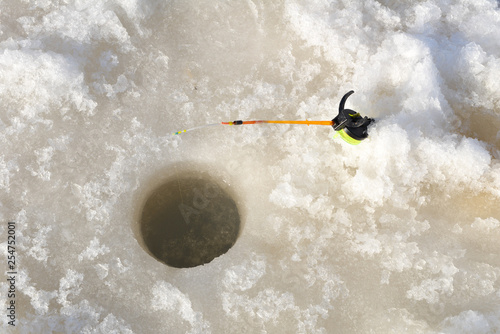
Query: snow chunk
(366,244)
(69,284)
(93,251)
(111,324)
(244,276)
(430,290)
(467,322)
(486,225)
(166,297)
(34,82)
(40,249)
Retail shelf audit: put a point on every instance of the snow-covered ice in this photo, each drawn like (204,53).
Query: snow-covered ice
(398,234)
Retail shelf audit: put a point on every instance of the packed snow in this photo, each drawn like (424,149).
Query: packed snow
(396,235)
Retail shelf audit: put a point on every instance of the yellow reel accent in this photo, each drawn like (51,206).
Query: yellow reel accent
(348,139)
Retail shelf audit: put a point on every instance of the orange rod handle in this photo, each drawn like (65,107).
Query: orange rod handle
(280,122)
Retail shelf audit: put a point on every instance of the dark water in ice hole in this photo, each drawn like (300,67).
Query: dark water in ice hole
(189,221)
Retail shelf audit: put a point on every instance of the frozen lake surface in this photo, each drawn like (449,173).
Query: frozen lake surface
(399,234)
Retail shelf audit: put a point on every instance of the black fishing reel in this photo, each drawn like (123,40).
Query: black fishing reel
(349,124)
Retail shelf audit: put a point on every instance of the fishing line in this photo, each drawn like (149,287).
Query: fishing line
(196,128)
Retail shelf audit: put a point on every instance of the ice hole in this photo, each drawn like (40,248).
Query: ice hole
(189,221)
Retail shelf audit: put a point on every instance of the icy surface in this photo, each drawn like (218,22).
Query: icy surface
(397,235)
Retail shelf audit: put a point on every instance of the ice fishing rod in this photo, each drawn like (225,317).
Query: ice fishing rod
(349,124)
